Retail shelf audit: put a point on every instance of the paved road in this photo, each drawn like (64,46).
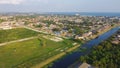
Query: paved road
(2,44)
(20,40)
(41,31)
(34,30)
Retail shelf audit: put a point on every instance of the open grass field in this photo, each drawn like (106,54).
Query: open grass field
(15,34)
(30,52)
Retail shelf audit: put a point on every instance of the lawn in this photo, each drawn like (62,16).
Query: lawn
(15,34)
(28,53)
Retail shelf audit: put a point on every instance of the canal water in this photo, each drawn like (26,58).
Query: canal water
(71,58)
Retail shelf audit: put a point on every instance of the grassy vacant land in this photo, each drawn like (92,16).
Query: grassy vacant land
(31,52)
(15,34)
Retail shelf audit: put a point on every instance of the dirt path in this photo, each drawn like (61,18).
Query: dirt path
(34,30)
(20,40)
(49,60)
(105,30)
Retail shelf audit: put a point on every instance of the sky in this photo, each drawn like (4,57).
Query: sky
(59,5)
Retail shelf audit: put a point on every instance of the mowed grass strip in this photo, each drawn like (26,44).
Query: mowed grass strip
(15,34)
(29,53)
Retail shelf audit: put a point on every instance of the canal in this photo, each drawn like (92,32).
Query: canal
(72,58)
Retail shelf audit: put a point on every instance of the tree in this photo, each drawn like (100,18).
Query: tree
(42,42)
(56,29)
(1,20)
(105,55)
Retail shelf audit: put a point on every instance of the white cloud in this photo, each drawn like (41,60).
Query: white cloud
(11,1)
(40,1)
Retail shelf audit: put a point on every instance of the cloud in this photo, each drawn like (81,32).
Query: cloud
(15,2)
(11,1)
(39,1)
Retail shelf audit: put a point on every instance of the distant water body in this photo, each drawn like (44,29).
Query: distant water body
(86,13)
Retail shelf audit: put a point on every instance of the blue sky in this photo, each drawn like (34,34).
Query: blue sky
(59,5)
